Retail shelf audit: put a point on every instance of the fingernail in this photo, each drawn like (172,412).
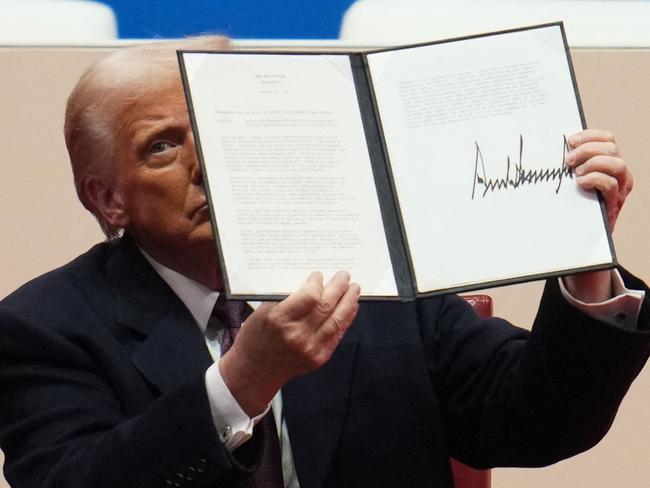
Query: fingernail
(580,170)
(344,275)
(573,140)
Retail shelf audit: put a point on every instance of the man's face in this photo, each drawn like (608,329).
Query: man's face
(158,180)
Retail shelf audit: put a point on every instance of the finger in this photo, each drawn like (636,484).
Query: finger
(606,184)
(337,324)
(303,301)
(332,293)
(610,190)
(588,135)
(589,150)
(609,165)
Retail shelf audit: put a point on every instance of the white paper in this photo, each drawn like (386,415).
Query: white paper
(288,171)
(452,115)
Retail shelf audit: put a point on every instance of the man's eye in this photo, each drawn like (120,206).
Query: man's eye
(160,146)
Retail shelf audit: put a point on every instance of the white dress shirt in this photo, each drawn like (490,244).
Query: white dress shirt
(235,427)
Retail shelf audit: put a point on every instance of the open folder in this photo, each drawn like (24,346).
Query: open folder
(421,170)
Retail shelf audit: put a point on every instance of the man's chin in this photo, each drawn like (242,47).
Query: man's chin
(202,236)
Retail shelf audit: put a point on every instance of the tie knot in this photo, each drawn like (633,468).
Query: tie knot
(230,313)
(227,315)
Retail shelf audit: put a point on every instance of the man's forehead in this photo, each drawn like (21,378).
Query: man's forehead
(151,96)
(144,109)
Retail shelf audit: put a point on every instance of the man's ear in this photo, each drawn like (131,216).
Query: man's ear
(105,202)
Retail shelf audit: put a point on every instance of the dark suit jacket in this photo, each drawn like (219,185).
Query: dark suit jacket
(102,384)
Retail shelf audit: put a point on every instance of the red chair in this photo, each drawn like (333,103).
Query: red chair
(464,476)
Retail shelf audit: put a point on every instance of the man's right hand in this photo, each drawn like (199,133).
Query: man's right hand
(283,340)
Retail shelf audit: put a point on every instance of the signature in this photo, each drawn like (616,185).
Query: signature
(518,175)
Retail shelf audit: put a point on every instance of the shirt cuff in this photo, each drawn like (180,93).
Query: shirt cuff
(233,426)
(622,310)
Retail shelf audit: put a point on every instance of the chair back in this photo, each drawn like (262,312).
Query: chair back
(45,22)
(387,22)
(465,476)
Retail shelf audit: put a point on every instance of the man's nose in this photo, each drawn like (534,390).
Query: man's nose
(196,175)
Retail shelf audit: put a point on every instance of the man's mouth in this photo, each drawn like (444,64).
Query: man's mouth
(202,209)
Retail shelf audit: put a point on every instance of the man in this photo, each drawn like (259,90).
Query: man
(107,380)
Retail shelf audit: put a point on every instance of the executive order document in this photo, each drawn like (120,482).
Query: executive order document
(419,169)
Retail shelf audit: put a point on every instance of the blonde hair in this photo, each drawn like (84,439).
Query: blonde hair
(102,92)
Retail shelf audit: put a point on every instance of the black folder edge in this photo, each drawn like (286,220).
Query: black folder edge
(384,184)
(400,258)
(583,120)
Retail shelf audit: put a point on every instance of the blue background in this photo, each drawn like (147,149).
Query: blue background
(271,19)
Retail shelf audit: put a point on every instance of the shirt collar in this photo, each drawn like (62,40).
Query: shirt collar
(198,299)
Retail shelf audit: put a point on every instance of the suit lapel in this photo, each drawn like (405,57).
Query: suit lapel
(173,352)
(172,349)
(315,406)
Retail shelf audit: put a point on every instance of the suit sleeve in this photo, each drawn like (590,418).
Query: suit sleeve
(64,423)
(516,398)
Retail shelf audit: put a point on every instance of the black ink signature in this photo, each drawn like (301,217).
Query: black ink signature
(522,176)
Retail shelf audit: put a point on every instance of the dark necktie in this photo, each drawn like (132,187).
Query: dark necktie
(264,445)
